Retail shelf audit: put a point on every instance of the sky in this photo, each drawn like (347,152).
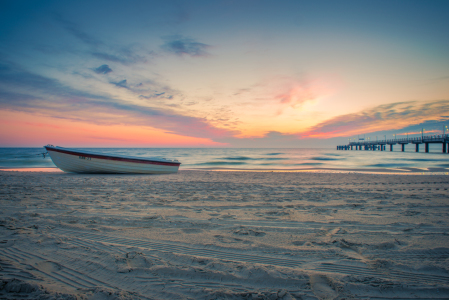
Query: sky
(221,73)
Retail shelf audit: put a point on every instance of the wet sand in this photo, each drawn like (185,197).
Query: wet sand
(224,235)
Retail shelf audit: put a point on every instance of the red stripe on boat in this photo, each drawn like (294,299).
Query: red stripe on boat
(134,160)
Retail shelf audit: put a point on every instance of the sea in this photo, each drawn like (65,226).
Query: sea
(316,159)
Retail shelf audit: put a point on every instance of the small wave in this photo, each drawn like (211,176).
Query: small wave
(250,158)
(389,165)
(274,158)
(443,165)
(422,159)
(238,158)
(216,163)
(309,164)
(324,158)
(274,153)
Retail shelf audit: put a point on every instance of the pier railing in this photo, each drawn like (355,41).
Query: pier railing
(381,144)
(410,140)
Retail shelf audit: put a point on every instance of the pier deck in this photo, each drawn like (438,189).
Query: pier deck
(381,145)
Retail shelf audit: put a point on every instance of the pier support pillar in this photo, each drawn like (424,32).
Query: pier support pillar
(416,147)
(426,147)
(381,147)
(402,147)
(444,147)
(391,147)
(351,147)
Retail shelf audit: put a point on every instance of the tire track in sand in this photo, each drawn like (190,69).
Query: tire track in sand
(230,256)
(386,273)
(8,270)
(59,273)
(183,249)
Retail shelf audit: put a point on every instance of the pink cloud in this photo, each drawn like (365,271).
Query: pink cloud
(383,117)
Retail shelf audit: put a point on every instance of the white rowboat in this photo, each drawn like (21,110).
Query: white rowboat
(80,161)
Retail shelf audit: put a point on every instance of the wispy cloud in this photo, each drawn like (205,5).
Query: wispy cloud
(295,96)
(271,139)
(14,78)
(179,45)
(156,95)
(276,94)
(21,90)
(103,69)
(121,83)
(381,118)
(123,54)
(77,32)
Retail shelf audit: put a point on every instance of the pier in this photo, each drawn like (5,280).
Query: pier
(382,144)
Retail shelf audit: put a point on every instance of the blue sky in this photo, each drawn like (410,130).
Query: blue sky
(221,73)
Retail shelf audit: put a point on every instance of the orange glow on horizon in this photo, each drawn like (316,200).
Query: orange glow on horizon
(20,129)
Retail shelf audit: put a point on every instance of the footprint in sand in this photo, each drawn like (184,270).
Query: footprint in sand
(131,261)
(225,239)
(228,216)
(6,243)
(322,287)
(298,243)
(48,266)
(337,230)
(249,232)
(192,230)
(277,213)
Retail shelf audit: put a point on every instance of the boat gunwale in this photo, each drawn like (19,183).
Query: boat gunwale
(111,157)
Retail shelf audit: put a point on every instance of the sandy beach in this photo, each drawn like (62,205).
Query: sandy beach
(224,235)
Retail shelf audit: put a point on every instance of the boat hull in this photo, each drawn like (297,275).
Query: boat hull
(78,162)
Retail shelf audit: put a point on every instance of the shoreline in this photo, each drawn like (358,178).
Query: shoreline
(379,171)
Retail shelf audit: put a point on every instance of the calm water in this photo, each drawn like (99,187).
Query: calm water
(276,158)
